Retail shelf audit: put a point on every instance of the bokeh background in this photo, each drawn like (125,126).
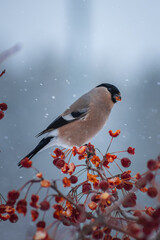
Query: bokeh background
(63,49)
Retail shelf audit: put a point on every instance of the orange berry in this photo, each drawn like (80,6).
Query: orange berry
(45,183)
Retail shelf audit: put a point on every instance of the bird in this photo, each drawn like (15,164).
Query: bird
(81,121)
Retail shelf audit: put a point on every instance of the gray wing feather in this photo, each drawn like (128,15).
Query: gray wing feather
(77,110)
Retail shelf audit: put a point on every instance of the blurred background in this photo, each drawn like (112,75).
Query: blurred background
(63,49)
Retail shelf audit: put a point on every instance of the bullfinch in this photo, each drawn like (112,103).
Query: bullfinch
(81,121)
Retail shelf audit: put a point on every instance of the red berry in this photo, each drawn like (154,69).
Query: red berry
(13,218)
(41,224)
(149,176)
(60,163)
(126,162)
(156,214)
(34,198)
(10,202)
(73,179)
(86,187)
(126,175)
(138,176)
(45,205)
(152,165)
(105,163)
(1,114)
(3,106)
(103,185)
(97,234)
(114,134)
(2,208)
(58,199)
(22,202)
(56,160)
(131,150)
(152,192)
(130,200)
(22,207)
(120,186)
(26,162)
(13,195)
(128,186)
(34,215)
(58,152)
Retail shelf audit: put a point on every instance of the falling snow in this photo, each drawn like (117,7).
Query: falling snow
(67,81)
(53,69)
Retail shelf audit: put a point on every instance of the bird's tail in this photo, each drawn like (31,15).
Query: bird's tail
(42,144)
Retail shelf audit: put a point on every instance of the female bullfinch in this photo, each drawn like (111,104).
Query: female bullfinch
(81,121)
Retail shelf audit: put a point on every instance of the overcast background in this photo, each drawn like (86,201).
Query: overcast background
(65,49)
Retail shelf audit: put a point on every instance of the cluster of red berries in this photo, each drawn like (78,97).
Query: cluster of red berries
(7,210)
(101,206)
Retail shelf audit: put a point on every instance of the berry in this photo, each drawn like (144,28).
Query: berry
(45,205)
(128,186)
(149,176)
(156,214)
(13,195)
(60,163)
(126,162)
(1,114)
(41,224)
(73,179)
(97,234)
(103,185)
(86,187)
(34,215)
(26,162)
(152,192)
(130,200)
(56,160)
(152,165)
(3,106)
(126,175)
(131,150)
(13,218)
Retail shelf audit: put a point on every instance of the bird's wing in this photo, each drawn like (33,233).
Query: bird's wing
(78,110)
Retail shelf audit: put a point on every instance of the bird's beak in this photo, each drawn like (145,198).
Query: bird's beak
(117,97)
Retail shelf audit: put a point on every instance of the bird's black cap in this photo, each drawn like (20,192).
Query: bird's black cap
(115,93)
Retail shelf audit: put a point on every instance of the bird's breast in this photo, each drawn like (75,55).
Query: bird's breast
(81,131)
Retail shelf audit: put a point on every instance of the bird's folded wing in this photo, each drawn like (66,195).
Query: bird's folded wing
(73,113)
